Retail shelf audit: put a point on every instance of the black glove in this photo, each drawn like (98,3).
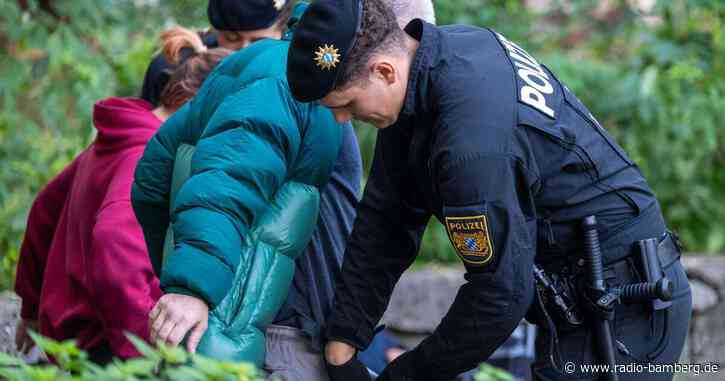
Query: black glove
(353,370)
(404,368)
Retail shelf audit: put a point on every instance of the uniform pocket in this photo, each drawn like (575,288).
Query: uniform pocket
(649,334)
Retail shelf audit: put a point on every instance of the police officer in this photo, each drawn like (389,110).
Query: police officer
(475,131)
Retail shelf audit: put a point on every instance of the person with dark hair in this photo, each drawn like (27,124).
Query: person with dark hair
(83,271)
(476,132)
(236,24)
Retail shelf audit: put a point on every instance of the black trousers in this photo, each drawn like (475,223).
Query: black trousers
(652,337)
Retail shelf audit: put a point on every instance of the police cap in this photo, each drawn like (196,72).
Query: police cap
(324,37)
(243,15)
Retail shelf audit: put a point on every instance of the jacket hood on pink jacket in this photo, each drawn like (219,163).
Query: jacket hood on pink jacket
(122,123)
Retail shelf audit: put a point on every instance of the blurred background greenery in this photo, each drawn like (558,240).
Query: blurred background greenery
(653,72)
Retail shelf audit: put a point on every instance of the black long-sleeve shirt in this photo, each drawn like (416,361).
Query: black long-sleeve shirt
(507,158)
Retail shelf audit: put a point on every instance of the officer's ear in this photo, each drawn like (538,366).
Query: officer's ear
(383,69)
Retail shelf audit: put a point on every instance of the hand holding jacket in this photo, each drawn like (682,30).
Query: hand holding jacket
(174,316)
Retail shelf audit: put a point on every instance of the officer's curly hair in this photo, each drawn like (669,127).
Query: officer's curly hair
(379,32)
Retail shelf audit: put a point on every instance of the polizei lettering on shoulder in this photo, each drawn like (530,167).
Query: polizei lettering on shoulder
(536,84)
(467,225)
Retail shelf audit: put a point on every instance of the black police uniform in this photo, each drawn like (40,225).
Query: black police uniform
(510,161)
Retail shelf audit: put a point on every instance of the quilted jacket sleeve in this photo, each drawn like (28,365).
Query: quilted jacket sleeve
(151,190)
(241,160)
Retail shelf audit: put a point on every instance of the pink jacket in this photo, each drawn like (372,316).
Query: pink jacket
(83,271)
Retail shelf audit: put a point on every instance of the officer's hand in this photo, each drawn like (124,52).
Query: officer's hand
(342,364)
(402,368)
(338,353)
(174,315)
(23,342)
(352,370)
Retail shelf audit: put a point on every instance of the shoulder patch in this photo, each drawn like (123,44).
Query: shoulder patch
(470,238)
(532,82)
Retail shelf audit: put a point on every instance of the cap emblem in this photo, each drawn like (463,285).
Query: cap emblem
(327,57)
(279,4)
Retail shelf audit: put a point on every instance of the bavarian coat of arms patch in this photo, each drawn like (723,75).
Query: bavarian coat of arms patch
(470,238)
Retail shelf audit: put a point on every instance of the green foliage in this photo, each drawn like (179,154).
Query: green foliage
(155,364)
(54,64)
(658,84)
(491,373)
(164,363)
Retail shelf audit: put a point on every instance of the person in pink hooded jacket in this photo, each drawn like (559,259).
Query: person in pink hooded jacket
(83,271)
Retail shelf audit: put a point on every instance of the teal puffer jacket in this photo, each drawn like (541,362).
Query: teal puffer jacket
(231,182)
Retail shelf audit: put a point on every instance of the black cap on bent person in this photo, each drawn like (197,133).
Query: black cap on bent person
(238,15)
(324,37)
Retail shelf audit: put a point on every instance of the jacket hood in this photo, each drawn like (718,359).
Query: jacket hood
(123,122)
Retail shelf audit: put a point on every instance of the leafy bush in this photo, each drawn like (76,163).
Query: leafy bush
(164,363)
(658,83)
(487,372)
(56,60)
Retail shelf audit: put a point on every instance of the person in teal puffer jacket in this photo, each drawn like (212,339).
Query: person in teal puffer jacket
(236,174)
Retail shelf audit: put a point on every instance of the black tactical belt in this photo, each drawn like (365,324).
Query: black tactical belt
(621,271)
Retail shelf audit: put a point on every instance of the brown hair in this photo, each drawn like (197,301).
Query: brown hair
(282,20)
(379,32)
(185,49)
